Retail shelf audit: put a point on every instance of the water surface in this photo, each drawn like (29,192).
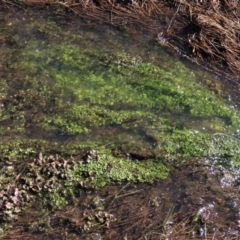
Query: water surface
(67,80)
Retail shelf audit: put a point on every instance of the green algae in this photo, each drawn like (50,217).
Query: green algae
(32,172)
(61,86)
(119,104)
(110,92)
(109,169)
(115,103)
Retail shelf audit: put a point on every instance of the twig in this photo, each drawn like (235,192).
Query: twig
(173,17)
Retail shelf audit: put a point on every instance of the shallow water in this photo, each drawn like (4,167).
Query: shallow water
(195,202)
(69,80)
(44,75)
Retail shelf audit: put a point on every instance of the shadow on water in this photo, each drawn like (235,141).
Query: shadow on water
(197,200)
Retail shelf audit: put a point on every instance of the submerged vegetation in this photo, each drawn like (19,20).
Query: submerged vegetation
(71,90)
(206,32)
(76,117)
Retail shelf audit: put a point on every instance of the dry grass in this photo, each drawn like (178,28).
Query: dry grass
(218,31)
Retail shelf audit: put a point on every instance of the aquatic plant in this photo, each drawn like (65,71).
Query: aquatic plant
(71,116)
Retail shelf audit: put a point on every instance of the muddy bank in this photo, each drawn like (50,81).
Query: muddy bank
(205,32)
